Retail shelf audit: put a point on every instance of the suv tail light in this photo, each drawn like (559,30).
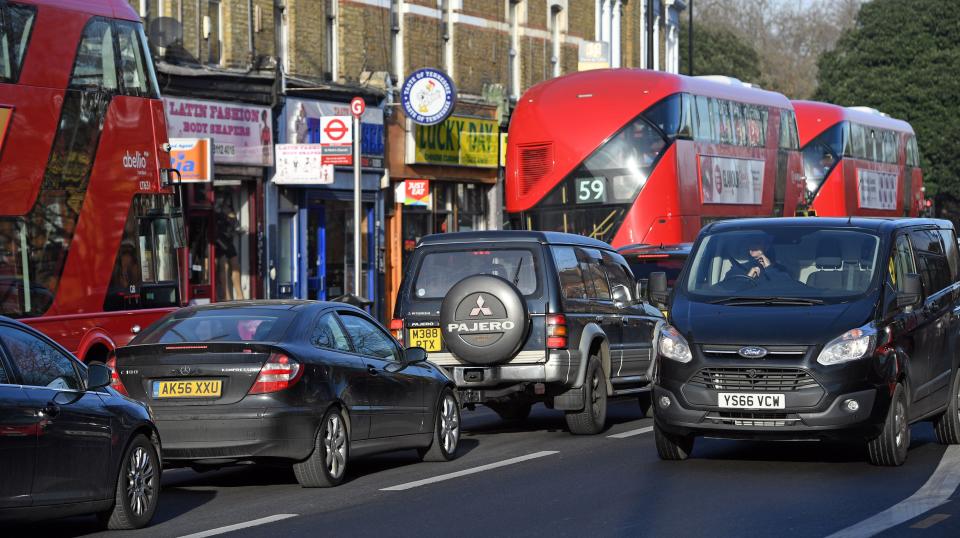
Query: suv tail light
(556,331)
(278,373)
(115,377)
(396,327)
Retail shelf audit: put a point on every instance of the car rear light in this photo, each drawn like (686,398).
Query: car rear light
(396,327)
(278,373)
(115,377)
(556,331)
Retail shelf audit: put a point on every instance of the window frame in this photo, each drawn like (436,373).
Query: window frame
(118,90)
(339,323)
(398,349)
(78,372)
(16,67)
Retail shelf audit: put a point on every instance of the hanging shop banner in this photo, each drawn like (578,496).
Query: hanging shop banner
(428,96)
(193,158)
(301,164)
(458,141)
(503,150)
(416,192)
(303,126)
(878,190)
(241,134)
(726,180)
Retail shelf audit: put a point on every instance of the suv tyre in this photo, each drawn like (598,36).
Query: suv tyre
(672,447)
(483,320)
(592,418)
(947,425)
(890,447)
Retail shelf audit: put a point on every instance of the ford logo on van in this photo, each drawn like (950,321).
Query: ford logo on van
(752,352)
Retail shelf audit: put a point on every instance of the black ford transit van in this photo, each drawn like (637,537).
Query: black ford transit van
(822,328)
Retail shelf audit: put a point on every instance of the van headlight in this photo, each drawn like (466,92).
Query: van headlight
(849,346)
(673,345)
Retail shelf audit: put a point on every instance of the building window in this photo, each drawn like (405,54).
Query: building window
(214,31)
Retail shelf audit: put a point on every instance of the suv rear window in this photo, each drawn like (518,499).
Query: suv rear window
(439,271)
(227,325)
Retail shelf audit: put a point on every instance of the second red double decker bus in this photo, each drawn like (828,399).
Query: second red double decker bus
(636,156)
(858,161)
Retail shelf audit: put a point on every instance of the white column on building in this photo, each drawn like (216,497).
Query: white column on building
(643,34)
(615,34)
(672,52)
(514,18)
(556,13)
(656,41)
(605,21)
(448,58)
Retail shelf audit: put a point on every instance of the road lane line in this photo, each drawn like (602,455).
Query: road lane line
(238,526)
(631,433)
(937,491)
(930,521)
(465,472)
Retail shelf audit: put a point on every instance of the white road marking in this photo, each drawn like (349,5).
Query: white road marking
(937,491)
(238,526)
(465,472)
(631,433)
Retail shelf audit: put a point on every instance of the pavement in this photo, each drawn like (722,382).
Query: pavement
(533,478)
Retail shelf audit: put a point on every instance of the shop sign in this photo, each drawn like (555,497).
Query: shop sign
(503,150)
(877,190)
(428,96)
(301,164)
(336,140)
(193,158)
(414,192)
(305,115)
(241,134)
(731,181)
(593,55)
(458,141)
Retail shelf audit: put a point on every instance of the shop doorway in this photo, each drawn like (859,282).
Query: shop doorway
(328,230)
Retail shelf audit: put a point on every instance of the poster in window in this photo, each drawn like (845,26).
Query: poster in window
(877,190)
(725,180)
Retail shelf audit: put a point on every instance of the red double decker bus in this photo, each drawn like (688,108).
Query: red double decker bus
(635,156)
(858,161)
(87,237)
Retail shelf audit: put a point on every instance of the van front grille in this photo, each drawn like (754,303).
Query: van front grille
(754,379)
(723,351)
(748,418)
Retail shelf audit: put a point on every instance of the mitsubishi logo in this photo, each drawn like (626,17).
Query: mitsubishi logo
(480,310)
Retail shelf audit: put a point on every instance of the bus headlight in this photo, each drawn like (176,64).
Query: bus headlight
(673,345)
(849,346)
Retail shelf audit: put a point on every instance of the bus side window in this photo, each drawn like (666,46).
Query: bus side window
(131,60)
(95,66)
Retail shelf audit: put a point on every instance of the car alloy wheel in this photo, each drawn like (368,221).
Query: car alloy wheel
(900,421)
(140,481)
(335,445)
(449,424)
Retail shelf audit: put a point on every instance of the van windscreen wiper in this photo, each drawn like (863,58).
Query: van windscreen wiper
(766,301)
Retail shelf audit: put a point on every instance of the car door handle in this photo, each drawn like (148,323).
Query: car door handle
(51,410)
(599,319)
(372,370)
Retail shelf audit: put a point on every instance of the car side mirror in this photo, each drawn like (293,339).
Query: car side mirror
(912,291)
(413,355)
(621,296)
(641,289)
(657,288)
(98,376)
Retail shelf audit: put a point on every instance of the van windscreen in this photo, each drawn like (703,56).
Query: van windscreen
(440,270)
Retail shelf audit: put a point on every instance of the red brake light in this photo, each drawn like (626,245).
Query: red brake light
(115,377)
(278,373)
(556,331)
(396,327)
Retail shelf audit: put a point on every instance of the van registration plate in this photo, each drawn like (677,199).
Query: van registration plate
(426,337)
(746,400)
(200,388)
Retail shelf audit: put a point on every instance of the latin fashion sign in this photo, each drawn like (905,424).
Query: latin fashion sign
(725,180)
(241,134)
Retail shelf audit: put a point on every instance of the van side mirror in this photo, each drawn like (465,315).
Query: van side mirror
(98,376)
(657,287)
(912,291)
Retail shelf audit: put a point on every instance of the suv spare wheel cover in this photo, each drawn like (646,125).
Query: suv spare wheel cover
(483,319)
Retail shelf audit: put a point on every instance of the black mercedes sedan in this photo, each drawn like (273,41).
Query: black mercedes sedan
(69,444)
(311,383)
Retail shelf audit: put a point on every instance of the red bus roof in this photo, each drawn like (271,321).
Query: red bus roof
(814,117)
(116,9)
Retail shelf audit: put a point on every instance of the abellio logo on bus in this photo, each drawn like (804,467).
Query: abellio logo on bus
(137,160)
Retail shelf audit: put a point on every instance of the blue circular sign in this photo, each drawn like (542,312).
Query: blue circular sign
(428,96)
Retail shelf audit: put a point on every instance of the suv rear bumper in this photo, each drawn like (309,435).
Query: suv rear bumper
(560,368)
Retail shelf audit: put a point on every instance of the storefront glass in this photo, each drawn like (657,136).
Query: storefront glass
(455,207)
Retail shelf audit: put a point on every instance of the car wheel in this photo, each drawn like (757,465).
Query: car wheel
(947,425)
(138,487)
(327,465)
(672,447)
(517,410)
(646,403)
(890,447)
(446,430)
(593,417)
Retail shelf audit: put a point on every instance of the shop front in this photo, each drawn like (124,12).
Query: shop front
(311,206)
(224,208)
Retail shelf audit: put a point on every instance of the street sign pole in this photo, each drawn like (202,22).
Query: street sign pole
(356,206)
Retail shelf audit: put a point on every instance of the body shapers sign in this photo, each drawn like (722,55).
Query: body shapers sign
(877,190)
(241,134)
(726,180)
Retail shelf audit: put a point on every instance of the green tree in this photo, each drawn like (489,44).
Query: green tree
(718,51)
(902,57)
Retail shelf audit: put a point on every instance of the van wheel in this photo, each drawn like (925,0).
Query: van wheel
(593,417)
(517,410)
(890,447)
(327,465)
(947,425)
(138,488)
(672,447)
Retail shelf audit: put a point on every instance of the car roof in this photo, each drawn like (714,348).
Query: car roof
(876,224)
(550,238)
(662,248)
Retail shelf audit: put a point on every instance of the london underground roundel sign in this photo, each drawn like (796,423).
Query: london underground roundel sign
(428,96)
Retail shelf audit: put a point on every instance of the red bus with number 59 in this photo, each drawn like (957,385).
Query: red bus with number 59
(636,156)
(88,236)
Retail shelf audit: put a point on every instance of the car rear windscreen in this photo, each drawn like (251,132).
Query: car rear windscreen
(642,266)
(439,271)
(226,325)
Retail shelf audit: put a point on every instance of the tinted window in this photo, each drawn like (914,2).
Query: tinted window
(329,334)
(95,65)
(642,266)
(132,63)
(219,325)
(571,277)
(16,21)
(820,156)
(39,363)
(932,262)
(618,274)
(368,339)
(440,270)
(950,248)
(596,280)
(789,139)
(902,263)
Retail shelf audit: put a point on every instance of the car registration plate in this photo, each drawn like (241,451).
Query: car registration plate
(199,388)
(744,400)
(426,337)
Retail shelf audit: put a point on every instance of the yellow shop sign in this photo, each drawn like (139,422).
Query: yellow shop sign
(458,141)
